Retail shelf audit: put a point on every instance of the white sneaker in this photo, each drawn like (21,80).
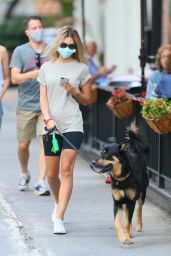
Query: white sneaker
(54,212)
(40,189)
(24,182)
(59,227)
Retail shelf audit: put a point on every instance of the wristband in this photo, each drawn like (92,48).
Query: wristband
(47,120)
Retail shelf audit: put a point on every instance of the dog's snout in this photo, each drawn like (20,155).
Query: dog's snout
(93,162)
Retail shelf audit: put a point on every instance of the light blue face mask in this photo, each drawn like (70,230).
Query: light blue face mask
(37,36)
(66,52)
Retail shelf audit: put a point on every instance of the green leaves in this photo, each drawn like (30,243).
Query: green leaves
(155,108)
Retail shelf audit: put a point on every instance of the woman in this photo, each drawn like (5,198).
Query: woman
(64,83)
(4,76)
(159,84)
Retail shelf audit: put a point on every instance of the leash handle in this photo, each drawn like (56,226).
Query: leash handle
(70,143)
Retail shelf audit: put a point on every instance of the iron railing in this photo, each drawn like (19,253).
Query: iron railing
(100,123)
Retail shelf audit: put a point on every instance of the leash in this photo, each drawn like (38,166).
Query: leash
(55,128)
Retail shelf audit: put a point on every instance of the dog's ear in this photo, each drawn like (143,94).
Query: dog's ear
(137,164)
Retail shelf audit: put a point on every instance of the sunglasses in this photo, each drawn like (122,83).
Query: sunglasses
(70,46)
(38,60)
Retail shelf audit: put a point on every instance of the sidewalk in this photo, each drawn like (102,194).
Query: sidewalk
(26,228)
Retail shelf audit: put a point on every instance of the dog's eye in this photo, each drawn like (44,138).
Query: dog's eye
(103,151)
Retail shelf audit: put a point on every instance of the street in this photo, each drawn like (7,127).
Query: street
(26,228)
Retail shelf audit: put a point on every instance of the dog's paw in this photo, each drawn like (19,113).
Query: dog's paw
(127,241)
(139,226)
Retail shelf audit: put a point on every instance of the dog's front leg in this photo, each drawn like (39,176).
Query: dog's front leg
(139,222)
(130,206)
(118,222)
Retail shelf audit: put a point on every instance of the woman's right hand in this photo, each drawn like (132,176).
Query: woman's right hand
(49,123)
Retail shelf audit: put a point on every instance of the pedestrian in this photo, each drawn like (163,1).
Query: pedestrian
(64,83)
(4,76)
(25,64)
(159,83)
(99,74)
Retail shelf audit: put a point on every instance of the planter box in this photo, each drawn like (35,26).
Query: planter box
(162,125)
(121,110)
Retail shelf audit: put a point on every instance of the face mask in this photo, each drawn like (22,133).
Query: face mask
(66,52)
(37,36)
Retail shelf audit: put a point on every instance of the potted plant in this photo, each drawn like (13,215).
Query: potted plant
(120,103)
(157,114)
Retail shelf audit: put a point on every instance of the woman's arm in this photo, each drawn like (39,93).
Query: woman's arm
(44,107)
(6,72)
(83,96)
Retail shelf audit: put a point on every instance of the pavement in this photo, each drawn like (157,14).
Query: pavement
(26,228)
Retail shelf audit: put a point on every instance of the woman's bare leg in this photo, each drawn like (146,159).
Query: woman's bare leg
(68,158)
(52,170)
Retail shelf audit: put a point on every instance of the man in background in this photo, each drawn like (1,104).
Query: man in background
(99,74)
(25,63)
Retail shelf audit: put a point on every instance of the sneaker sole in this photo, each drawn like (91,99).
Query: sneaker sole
(23,188)
(46,193)
(59,233)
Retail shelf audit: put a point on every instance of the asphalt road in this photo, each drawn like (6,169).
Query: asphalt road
(26,228)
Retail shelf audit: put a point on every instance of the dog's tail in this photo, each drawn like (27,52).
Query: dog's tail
(135,137)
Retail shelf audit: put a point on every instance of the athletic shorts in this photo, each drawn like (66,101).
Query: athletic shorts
(75,138)
(29,124)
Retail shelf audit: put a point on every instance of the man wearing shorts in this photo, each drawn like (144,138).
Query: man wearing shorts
(25,63)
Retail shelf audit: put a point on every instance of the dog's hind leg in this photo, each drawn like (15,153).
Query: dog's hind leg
(140,203)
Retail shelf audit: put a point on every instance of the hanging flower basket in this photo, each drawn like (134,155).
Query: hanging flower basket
(157,114)
(161,125)
(121,104)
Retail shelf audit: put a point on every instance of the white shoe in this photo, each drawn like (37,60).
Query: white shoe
(54,212)
(59,227)
(40,189)
(24,182)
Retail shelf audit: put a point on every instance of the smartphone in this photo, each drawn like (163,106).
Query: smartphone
(64,81)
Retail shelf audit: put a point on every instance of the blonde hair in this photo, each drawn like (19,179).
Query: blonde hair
(159,53)
(67,31)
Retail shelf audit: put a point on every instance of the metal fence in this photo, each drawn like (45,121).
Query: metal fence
(100,124)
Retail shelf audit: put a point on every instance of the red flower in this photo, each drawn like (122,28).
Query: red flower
(143,93)
(141,101)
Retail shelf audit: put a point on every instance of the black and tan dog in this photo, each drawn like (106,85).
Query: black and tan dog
(126,163)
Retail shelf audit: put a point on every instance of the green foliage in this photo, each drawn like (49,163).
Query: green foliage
(12,29)
(66,8)
(12,33)
(155,108)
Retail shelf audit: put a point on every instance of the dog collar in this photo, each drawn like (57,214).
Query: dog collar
(121,178)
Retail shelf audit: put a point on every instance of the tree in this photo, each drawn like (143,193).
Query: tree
(10,8)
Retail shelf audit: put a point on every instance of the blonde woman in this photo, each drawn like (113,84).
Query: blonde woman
(159,84)
(4,76)
(64,83)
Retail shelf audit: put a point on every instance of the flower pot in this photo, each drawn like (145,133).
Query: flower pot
(162,125)
(123,109)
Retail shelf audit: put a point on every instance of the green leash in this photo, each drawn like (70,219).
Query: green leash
(55,145)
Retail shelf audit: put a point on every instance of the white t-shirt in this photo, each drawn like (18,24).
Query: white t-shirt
(63,108)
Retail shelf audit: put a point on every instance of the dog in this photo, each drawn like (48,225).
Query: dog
(126,164)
